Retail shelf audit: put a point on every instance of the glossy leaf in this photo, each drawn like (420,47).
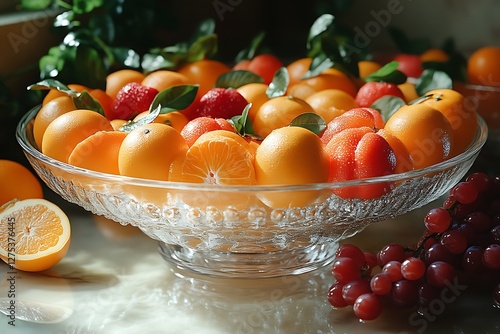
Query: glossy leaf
(387,105)
(85,101)
(310,121)
(242,123)
(251,51)
(431,80)
(205,46)
(149,118)
(174,98)
(320,25)
(48,84)
(388,73)
(237,78)
(279,84)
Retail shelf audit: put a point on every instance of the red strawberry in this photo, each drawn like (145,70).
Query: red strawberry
(131,100)
(221,103)
(372,91)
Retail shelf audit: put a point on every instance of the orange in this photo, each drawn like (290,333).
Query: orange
(254,93)
(434,55)
(425,132)
(104,100)
(463,120)
(278,112)
(117,123)
(163,79)
(297,69)
(69,129)
(204,73)
(17,181)
(39,231)
(49,112)
(367,67)
(301,90)
(175,119)
(216,158)
(98,152)
(330,103)
(329,78)
(483,67)
(291,156)
(216,134)
(53,93)
(409,91)
(148,150)
(118,79)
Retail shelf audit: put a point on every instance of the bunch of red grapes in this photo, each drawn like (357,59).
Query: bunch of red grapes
(460,245)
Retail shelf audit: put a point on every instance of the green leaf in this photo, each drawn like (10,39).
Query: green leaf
(85,101)
(279,84)
(388,73)
(174,98)
(48,84)
(388,105)
(205,28)
(125,57)
(35,4)
(431,80)
(90,68)
(237,78)
(204,47)
(319,26)
(319,63)
(102,25)
(251,51)
(150,117)
(310,121)
(242,123)
(86,6)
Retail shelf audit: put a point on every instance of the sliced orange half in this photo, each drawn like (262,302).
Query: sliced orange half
(34,234)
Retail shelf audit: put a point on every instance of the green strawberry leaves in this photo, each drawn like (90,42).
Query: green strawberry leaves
(237,78)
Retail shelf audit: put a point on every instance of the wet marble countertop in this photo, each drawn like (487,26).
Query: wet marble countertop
(113,280)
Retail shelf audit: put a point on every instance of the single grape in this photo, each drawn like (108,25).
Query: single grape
(393,270)
(391,252)
(437,220)
(367,307)
(381,284)
(454,241)
(469,231)
(480,220)
(345,270)
(440,274)
(404,293)
(352,290)
(413,268)
(438,252)
(353,252)
(335,296)
(473,260)
(449,202)
(371,260)
(491,257)
(465,192)
(480,180)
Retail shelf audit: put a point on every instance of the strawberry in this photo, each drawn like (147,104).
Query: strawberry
(221,103)
(131,100)
(372,91)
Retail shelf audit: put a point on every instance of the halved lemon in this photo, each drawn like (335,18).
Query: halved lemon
(34,234)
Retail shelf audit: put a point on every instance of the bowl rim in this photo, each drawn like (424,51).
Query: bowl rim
(24,141)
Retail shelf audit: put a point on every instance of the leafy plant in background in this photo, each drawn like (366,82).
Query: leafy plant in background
(98,37)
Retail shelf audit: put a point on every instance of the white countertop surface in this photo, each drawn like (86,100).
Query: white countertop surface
(113,280)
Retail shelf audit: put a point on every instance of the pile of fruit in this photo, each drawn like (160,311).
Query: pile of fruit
(459,249)
(259,122)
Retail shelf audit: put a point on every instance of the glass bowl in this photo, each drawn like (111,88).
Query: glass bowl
(229,231)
